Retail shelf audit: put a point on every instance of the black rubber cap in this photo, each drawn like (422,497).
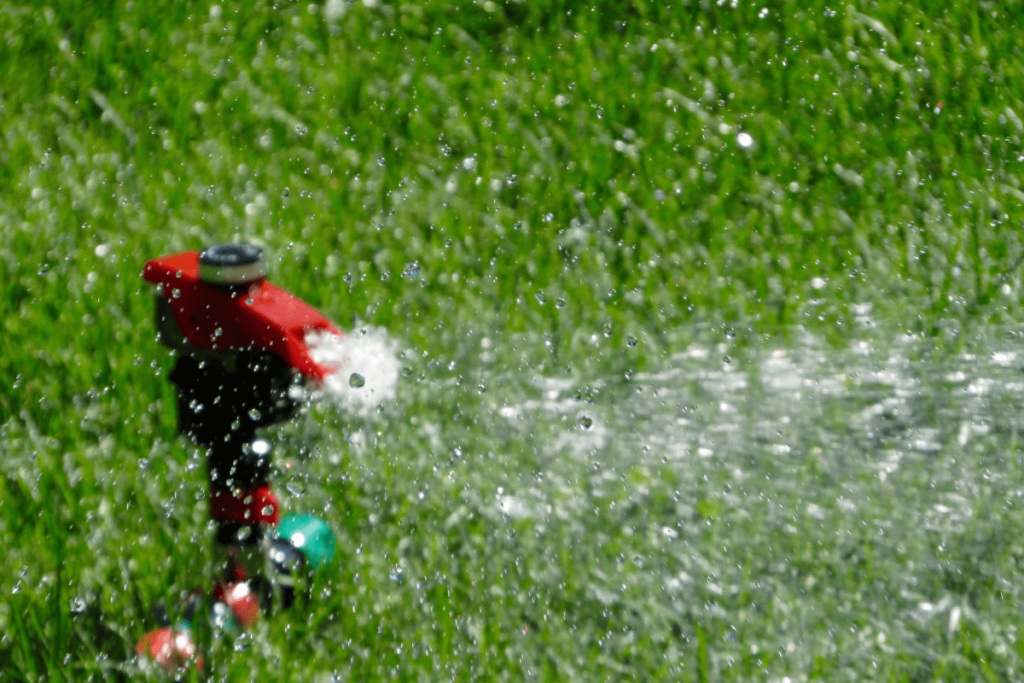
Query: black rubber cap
(232,264)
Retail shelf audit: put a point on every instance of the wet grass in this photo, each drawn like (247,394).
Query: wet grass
(559,179)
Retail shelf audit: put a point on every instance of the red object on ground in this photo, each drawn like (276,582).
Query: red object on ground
(246,506)
(173,650)
(242,601)
(257,315)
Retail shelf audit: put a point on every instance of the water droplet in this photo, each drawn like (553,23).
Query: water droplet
(267,510)
(382,161)
(248,301)
(254,414)
(586,422)
(541,298)
(744,140)
(77,605)
(218,332)
(296,486)
(356,380)
(243,533)
(220,615)
(559,302)
(395,574)
(44,268)
(285,193)
(411,269)
(16,588)
(763,13)
(243,642)
(176,293)
(631,342)
(726,360)
(406,371)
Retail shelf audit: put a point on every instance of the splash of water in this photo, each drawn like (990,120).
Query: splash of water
(367,353)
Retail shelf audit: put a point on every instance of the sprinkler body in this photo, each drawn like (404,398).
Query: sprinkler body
(241,362)
(241,359)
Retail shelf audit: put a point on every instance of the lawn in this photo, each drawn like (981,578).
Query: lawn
(539,204)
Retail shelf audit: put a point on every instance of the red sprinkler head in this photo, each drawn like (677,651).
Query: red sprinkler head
(220,300)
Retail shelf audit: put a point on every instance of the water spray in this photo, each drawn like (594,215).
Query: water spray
(242,360)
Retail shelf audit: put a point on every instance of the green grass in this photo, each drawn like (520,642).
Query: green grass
(567,177)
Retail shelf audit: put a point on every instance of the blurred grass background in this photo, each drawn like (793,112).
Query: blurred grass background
(545,173)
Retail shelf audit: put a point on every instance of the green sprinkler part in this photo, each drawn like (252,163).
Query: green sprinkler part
(311,535)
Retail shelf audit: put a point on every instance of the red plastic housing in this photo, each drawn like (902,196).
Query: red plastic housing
(242,601)
(260,315)
(173,650)
(251,506)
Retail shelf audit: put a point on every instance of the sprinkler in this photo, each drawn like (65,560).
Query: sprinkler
(241,362)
